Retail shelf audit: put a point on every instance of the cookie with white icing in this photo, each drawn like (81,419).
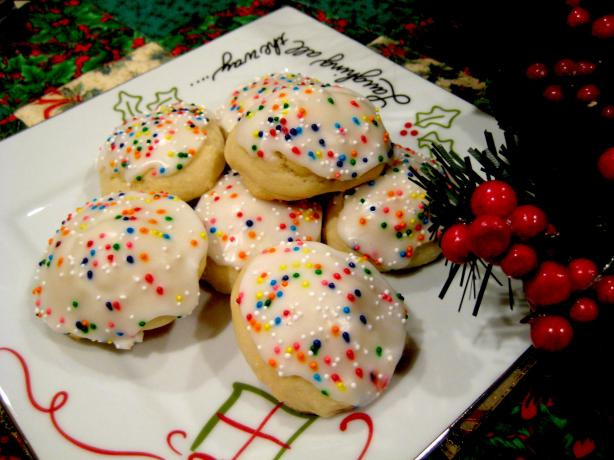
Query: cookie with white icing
(321,328)
(251,96)
(119,265)
(308,140)
(240,226)
(386,219)
(178,149)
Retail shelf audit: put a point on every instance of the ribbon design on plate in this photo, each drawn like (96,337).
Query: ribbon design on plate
(299,422)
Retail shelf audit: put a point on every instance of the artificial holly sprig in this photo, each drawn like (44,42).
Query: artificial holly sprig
(451,181)
(484,224)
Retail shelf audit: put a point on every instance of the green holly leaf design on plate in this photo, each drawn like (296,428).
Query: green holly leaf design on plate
(128,105)
(437,116)
(430,138)
(163,98)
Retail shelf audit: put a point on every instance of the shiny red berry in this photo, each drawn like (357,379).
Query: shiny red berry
(537,71)
(588,93)
(554,93)
(578,16)
(565,68)
(489,236)
(603,27)
(551,333)
(608,112)
(605,289)
(519,261)
(582,272)
(455,244)
(585,67)
(549,286)
(584,310)
(605,164)
(527,221)
(493,197)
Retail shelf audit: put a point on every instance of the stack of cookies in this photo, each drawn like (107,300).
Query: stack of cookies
(318,323)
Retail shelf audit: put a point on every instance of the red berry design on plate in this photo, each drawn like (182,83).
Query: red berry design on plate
(582,272)
(584,310)
(578,17)
(493,197)
(605,289)
(565,68)
(551,333)
(455,244)
(604,27)
(588,93)
(554,93)
(490,236)
(527,221)
(585,67)
(605,164)
(537,71)
(519,261)
(549,286)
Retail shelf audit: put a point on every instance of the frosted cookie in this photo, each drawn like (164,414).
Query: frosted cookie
(308,140)
(240,226)
(120,265)
(177,149)
(385,219)
(321,328)
(251,96)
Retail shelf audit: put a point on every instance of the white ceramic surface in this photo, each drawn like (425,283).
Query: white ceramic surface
(154,400)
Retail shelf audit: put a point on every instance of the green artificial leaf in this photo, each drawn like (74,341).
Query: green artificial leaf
(437,116)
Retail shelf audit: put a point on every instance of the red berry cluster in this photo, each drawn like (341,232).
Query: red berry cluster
(505,234)
(585,92)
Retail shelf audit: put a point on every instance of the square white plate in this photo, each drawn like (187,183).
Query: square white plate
(154,401)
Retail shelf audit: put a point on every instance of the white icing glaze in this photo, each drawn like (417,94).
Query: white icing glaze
(241,225)
(326,316)
(252,95)
(330,130)
(384,219)
(118,262)
(160,143)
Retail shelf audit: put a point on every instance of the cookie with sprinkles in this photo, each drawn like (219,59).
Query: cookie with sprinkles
(240,226)
(256,94)
(177,149)
(321,328)
(119,265)
(308,140)
(386,219)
